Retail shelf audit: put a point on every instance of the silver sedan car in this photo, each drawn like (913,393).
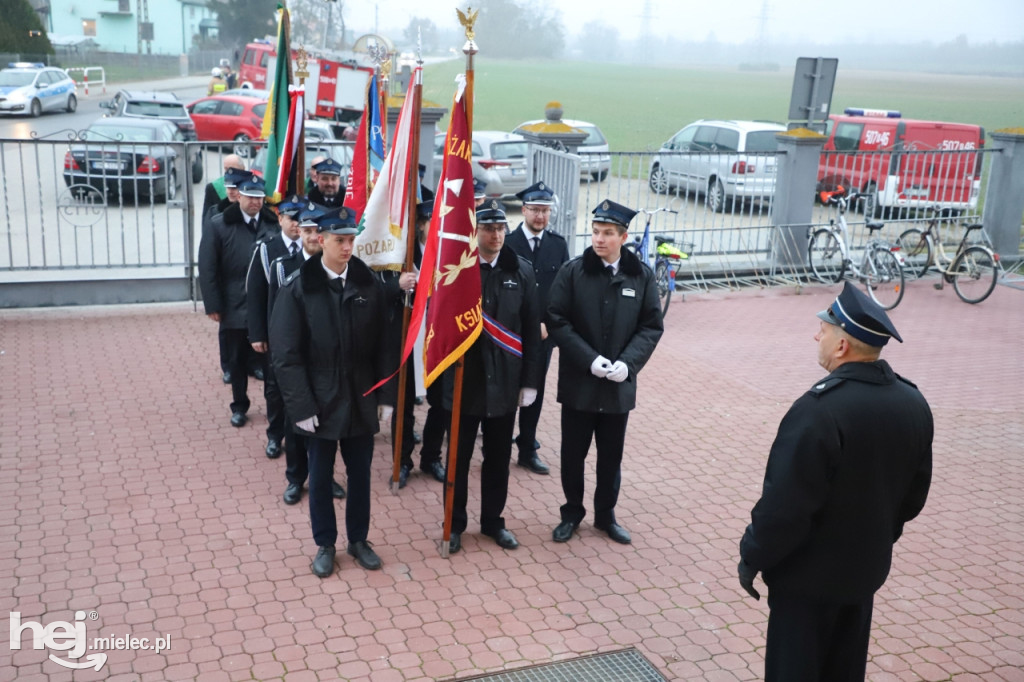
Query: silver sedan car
(499,161)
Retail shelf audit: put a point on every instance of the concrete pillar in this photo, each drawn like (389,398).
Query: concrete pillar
(796,175)
(1004,200)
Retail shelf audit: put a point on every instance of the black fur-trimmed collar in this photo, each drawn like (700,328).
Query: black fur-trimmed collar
(314,278)
(629,264)
(507,259)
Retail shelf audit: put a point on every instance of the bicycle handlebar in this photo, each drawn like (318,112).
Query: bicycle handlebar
(649,211)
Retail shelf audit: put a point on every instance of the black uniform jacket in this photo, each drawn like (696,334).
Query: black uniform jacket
(324,357)
(224,253)
(851,464)
(551,255)
(257,284)
(280,270)
(493,376)
(592,313)
(318,198)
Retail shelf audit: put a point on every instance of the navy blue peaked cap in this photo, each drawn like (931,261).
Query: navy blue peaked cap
(610,212)
(338,221)
(860,317)
(537,193)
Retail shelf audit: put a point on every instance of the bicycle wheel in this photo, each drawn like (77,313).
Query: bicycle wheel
(884,278)
(917,253)
(974,274)
(665,285)
(825,256)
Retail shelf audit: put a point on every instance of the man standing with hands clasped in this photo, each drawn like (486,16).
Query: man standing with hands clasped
(605,319)
(329,348)
(850,465)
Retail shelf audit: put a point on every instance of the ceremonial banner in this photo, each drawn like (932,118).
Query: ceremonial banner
(450,272)
(279,129)
(381,242)
(368,153)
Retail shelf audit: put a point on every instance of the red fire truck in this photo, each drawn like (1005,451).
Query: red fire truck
(335,89)
(899,162)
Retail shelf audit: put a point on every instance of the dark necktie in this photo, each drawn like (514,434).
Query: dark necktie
(610,269)
(536,244)
(294,248)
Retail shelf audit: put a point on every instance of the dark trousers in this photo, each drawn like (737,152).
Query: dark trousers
(296,457)
(497,447)
(357,453)
(530,416)
(236,343)
(813,641)
(225,366)
(253,359)
(609,430)
(436,425)
(407,417)
(275,403)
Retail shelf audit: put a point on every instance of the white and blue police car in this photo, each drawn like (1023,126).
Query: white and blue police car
(33,87)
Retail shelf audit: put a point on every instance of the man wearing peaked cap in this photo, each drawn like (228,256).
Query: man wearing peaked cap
(851,464)
(604,316)
(328,191)
(479,191)
(501,370)
(546,251)
(225,252)
(329,347)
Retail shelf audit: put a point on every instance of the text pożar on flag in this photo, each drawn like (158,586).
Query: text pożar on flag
(381,242)
(368,153)
(450,272)
(283,122)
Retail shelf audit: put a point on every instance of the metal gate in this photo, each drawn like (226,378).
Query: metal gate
(561,172)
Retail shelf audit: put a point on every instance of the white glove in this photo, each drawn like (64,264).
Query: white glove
(384,412)
(618,372)
(527,396)
(308,424)
(600,367)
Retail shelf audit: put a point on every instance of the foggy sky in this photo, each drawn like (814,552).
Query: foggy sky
(738,21)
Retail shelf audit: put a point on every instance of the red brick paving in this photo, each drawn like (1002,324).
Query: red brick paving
(124,490)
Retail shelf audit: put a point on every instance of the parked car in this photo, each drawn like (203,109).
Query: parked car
(229,117)
(597,160)
(723,160)
(154,104)
(127,157)
(32,88)
(499,160)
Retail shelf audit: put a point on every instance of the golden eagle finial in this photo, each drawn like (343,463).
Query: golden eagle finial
(467,19)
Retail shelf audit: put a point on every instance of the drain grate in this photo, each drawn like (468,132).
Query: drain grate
(627,665)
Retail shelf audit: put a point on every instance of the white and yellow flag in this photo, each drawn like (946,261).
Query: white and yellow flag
(381,242)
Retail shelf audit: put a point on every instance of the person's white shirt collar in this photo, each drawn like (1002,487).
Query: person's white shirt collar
(528,233)
(306,255)
(493,262)
(288,241)
(615,265)
(331,274)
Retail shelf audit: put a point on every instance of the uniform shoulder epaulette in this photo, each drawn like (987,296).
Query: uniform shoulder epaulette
(552,233)
(905,380)
(826,385)
(291,278)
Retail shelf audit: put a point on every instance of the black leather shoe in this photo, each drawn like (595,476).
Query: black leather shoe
(293,493)
(257,374)
(238,419)
(416,437)
(364,556)
(403,475)
(563,531)
(226,377)
(337,491)
(435,469)
(455,543)
(532,462)
(273,449)
(504,538)
(615,532)
(323,564)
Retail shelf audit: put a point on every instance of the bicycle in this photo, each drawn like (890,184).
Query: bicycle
(973,269)
(667,259)
(880,268)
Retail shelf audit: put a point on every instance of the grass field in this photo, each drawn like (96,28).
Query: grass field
(639,108)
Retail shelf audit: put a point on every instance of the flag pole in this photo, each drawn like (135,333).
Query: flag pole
(301,61)
(469,49)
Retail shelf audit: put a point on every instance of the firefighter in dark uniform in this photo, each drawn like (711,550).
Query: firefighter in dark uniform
(435,426)
(547,251)
(605,318)
(225,250)
(851,464)
(329,348)
(273,246)
(296,467)
(501,371)
(328,192)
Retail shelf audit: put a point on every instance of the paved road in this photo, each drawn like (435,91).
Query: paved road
(124,491)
